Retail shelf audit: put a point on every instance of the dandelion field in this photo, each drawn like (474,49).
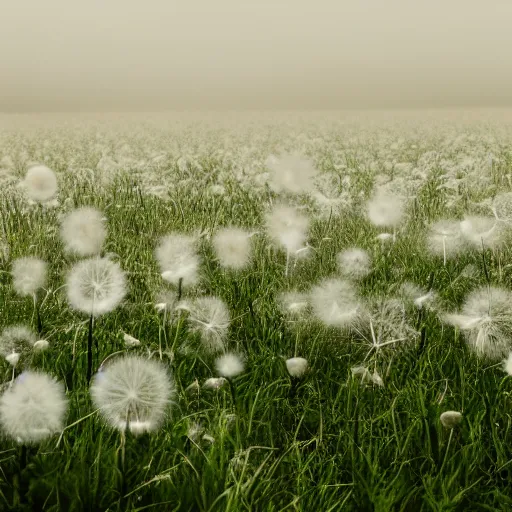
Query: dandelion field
(328,288)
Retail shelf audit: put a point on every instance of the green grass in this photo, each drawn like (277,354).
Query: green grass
(322,443)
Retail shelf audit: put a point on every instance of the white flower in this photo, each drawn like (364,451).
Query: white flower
(487,230)
(16,340)
(450,419)
(96,286)
(502,206)
(29,275)
(133,392)
(130,341)
(297,366)
(41,345)
(210,318)
(377,379)
(178,260)
(354,263)
(385,209)
(83,231)
(229,365)
(293,303)
(34,408)
(287,227)
(335,302)
(13,358)
(507,364)
(291,173)
(486,320)
(384,326)
(232,247)
(40,183)
(214,383)
(445,238)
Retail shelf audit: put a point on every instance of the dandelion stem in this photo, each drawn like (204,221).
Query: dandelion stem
(233,392)
(20,489)
(180,288)
(89,350)
(447,450)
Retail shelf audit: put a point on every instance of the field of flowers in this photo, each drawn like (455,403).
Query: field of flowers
(256,312)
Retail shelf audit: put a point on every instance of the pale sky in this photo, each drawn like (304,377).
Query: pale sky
(112,55)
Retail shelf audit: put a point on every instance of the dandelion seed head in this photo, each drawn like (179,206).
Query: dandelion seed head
(96,286)
(28,275)
(385,209)
(178,260)
(210,318)
(287,227)
(133,392)
(354,263)
(335,302)
(486,321)
(34,408)
(16,340)
(83,231)
(40,183)
(296,366)
(232,247)
(450,419)
(229,365)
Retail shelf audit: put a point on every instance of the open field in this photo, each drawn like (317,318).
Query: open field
(416,323)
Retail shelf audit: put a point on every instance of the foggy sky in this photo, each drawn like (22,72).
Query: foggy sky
(111,55)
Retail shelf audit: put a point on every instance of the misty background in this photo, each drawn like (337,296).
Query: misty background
(158,55)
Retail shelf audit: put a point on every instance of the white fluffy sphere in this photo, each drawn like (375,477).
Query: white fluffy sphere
(40,183)
(133,392)
(96,286)
(34,408)
(83,231)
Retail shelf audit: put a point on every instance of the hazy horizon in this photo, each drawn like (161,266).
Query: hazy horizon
(232,56)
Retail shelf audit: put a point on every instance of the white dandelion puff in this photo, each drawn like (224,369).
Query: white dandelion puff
(507,364)
(28,275)
(478,230)
(179,263)
(450,419)
(40,183)
(83,231)
(287,227)
(291,173)
(214,383)
(296,366)
(486,321)
(130,341)
(16,340)
(385,209)
(33,408)
(335,302)
(229,365)
(354,263)
(96,286)
(232,247)
(133,392)
(445,239)
(210,318)
(294,304)
(41,345)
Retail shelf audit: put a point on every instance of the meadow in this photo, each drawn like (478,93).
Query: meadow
(311,294)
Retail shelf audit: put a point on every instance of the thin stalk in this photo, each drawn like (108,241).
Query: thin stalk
(20,489)
(89,350)
(447,450)
(180,288)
